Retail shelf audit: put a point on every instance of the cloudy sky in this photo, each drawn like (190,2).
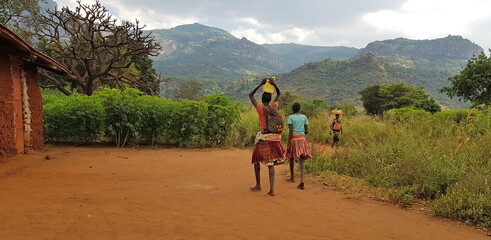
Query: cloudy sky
(353,23)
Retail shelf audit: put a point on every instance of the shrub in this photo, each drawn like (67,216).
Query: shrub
(223,113)
(187,123)
(51,95)
(123,114)
(130,116)
(468,201)
(429,105)
(406,113)
(77,119)
(154,118)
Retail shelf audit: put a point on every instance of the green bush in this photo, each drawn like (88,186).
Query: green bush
(77,119)
(188,124)
(51,95)
(406,113)
(429,105)
(468,200)
(124,114)
(131,117)
(223,113)
(154,118)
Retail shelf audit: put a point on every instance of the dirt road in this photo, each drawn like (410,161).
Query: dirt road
(109,193)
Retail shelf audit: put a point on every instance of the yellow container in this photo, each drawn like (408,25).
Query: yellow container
(337,111)
(268,87)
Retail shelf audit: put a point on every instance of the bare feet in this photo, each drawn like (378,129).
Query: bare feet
(271,193)
(301,186)
(255,188)
(290,179)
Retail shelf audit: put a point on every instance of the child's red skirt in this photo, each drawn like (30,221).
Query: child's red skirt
(298,148)
(268,152)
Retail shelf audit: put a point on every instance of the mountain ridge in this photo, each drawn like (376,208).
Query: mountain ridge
(220,61)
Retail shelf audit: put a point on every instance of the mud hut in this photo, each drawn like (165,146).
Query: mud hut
(21,122)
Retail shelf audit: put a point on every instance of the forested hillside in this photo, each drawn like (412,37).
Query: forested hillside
(338,80)
(329,80)
(226,64)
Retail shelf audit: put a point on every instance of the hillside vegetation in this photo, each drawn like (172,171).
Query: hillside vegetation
(226,64)
(336,80)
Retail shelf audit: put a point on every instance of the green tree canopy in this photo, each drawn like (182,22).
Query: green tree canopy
(380,98)
(372,101)
(474,81)
(398,95)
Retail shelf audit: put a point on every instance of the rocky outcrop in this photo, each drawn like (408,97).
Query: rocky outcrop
(455,47)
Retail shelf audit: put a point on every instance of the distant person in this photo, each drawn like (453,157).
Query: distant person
(336,130)
(297,144)
(267,147)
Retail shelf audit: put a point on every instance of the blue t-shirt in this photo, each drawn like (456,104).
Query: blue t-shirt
(298,121)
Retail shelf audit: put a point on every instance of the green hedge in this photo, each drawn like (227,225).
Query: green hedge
(131,117)
(76,119)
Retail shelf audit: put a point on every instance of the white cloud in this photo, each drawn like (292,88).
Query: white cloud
(350,23)
(250,21)
(428,19)
(249,33)
(299,33)
(149,17)
(260,33)
(267,35)
(72,3)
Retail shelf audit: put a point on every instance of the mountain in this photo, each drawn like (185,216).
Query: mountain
(208,53)
(226,64)
(47,4)
(336,80)
(294,55)
(450,47)
(330,80)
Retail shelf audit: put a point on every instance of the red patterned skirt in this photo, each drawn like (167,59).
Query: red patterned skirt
(298,148)
(268,152)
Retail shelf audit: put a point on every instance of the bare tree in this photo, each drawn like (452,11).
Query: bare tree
(95,47)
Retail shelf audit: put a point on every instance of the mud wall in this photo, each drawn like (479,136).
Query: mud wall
(7,128)
(36,106)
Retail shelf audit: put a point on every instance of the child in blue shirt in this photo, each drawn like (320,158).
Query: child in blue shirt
(297,144)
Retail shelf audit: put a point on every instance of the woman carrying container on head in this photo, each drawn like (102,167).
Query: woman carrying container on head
(336,127)
(267,147)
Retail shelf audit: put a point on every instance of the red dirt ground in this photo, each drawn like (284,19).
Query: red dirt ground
(110,193)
